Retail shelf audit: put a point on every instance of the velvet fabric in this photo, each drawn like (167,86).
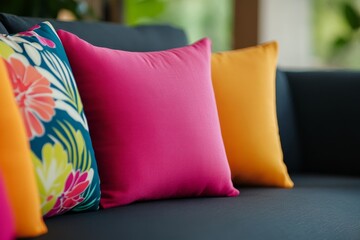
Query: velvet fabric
(153,121)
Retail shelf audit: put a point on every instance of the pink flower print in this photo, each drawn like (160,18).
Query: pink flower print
(37,26)
(42,40)
(76,183)
(33,95)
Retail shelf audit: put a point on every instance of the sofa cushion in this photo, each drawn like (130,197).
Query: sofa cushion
(328,116)
(320,207)
(116,36)
(153,121)
(16,168)
(244,85)
(3,29)
(289,135)
(57,129)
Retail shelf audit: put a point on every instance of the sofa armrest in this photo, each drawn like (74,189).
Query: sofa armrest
(327,110)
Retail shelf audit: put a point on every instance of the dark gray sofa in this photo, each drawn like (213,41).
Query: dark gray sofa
(319,122)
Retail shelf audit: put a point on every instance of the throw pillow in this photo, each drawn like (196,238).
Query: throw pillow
(7,227)
(153,120)
(244,85)
(54,118)
(15,164)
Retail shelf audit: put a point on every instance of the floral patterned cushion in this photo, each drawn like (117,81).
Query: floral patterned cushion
(55,122)
(15,152)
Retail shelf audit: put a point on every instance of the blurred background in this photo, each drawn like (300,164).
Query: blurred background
(311,33)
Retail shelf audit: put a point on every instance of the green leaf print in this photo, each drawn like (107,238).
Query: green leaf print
(52,171)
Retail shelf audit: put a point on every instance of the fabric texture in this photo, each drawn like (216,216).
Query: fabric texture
(54,118)
(319,207)
(153,121)
(3,29)
(327,110)
(16,168)
(288,126)
(7,224)
(244,85)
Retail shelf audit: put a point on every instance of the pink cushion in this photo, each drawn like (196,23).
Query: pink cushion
(153,121)
(7,225)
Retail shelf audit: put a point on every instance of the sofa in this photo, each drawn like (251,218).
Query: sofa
(318,116)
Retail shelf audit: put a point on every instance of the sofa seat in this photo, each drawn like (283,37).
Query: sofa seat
(318,115)
(319,207)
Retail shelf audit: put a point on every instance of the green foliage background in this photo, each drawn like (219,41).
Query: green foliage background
(199,18)
(336,32)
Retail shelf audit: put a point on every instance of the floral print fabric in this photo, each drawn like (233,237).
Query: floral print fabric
(33,94)
(53,114)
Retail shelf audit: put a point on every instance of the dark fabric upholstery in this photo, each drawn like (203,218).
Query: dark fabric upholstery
(287,124)
(116,36)
(3,29)
(319,207)
(318,117)
(328,115)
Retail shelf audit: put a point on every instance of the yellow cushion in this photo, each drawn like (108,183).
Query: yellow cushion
(244,85)
(16,165)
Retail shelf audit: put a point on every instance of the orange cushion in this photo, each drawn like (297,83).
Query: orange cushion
(244,84)
(16,165)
